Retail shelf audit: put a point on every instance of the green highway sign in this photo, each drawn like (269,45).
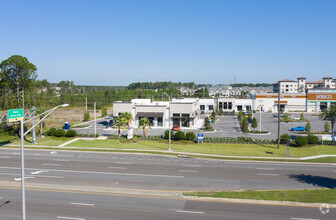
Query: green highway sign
(15,115)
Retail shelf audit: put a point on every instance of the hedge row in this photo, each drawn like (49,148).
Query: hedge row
(238,140)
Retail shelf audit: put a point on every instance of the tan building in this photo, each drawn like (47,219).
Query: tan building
(268,102)
(301,86)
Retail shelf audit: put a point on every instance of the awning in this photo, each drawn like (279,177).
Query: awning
(149,114)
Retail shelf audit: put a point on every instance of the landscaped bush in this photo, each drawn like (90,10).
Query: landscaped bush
(179,135)
(312,139)
(166,134)
(86,116)
(308,127)
(245,125)
(284,138)
(52,132)
(71,133)
(190,136)
(60,133)
(301,141)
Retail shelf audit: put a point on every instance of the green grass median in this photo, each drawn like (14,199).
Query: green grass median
(307,196)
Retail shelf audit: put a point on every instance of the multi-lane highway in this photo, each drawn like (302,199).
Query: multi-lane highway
(133,186)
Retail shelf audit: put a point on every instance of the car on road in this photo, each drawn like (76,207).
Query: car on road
(176,128)
(299,128)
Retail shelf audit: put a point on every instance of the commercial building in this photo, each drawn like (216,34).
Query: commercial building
(320,99)
(184,113)
(268,102)
(301,86)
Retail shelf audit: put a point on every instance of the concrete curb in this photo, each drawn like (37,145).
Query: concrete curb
(254,201)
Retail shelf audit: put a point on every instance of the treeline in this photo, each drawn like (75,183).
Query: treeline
(251,84)
(161,85)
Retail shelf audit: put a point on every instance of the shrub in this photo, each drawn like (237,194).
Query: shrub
(86,116)
(71,133)
(326,127)
(301,141)
(254,123)
(312,139)
(208,128)
(213,114)
(190,136)
(308,127)
(286,116)
(301,117)
(51,132)
(245,125)
(60,133)
(283,138)
(166,134)
(179,135)
(240,115)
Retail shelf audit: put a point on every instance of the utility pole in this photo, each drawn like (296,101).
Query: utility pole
(85,104)
(95,123)
(33,122)
(23,190)
(278,115)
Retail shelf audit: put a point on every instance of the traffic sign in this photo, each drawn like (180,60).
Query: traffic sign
(15,115)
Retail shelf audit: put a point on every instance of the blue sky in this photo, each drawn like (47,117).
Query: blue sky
(119,42)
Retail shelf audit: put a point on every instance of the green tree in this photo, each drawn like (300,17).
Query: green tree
(326,127)
(119,123)
(249,117)
(286,116)
(128,118)
(240,115)
(308,127)
(254,123)
(301,117)
(144,123)
(330,114)
(245,125)
(284,138)
(86,116)
(104,112)
(20,72)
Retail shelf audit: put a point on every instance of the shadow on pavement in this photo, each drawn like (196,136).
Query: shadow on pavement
(5,203)
(319,181)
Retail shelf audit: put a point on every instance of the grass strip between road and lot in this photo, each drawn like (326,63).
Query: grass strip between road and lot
(305,195)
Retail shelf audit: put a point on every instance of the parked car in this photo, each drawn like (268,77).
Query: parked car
(299,128)
(295,117)
(281,115)
(176,128)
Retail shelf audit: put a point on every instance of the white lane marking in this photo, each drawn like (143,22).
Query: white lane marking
(120,168)
(192,165)
(304,219)
(123,162)
(38,172)
(26,177)
(53,152)
(51,164)
(97,172)
(189,171)
(264,168)
(61,160)
(62,217)
(85,204)
(267,174)
(37,154)
(4,157)
(192,212)
(16,153)
(57,177)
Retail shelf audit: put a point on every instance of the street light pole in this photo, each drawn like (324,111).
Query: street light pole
(95,123)
(169,129)
(23,188)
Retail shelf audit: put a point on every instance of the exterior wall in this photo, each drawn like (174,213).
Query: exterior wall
(320,99)
(226,107)
(208,104)
(244,104)
(119,107)
(289,102)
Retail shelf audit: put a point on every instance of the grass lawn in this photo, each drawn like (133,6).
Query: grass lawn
(47,141)
(218,149)
(309,196)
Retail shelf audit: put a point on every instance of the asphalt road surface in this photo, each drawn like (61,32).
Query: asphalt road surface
(58,205)
(153,172)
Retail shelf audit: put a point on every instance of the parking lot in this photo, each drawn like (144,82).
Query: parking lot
(225,126)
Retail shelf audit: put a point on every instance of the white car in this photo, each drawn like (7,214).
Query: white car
(295,117)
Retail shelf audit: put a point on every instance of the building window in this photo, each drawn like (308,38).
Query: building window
(185,115)
(220,105)
(202,107)
(211,108)
(225,105)
(176,115)
(230,105)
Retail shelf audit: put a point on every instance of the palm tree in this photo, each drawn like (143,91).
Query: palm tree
(144,122)
(119,123)
(39,111)
(330,113)
(128,118)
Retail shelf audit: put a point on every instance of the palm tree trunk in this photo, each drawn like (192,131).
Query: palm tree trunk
(41,130)
(144,131)
(118,133)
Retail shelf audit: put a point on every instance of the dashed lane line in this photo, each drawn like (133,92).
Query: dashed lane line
(267,174)
(83,204)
